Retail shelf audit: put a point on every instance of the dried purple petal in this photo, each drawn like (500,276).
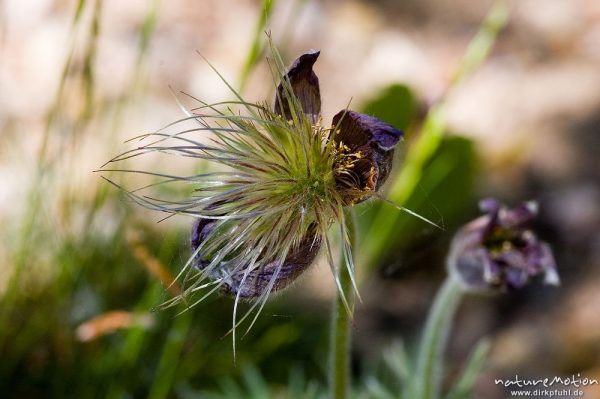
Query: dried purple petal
(369,144)
(305,85)
(489,205)
(497,250)
(201,230)
(256,281)
(548,264)
(519,216)
(475,267)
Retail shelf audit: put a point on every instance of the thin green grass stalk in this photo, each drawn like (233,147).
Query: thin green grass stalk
(78,11)
(146,32)
(131,349)
(167,367)
(475,364)
(343,311)
(89,60)
(66,156)
(286,35)
(403,186)
(255,383)
(430,360)
(134,340)
(135,87)
(399,363)
(257,47)
(480,46)
(55,108)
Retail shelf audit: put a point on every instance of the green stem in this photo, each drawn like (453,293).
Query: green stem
(430,361)
(341,319)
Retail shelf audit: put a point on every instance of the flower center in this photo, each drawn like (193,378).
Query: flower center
(501,240)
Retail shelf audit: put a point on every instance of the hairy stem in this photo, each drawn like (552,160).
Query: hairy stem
(341,318)
(430,361)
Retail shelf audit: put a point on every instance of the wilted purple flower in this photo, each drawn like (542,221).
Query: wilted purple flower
(499,251)
(371,143)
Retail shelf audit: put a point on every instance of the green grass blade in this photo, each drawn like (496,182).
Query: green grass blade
(399,363)
(166,371)
(475,364)
(257,48)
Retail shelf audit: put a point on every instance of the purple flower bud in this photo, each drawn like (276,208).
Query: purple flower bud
(498,251)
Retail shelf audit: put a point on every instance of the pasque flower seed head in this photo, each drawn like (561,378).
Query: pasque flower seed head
(285,180)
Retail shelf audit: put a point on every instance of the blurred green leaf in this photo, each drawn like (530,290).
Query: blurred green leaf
(463,387)
(429,141)
(398,361)
(258,43)
(396,104)
(376,390)
(451,169)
